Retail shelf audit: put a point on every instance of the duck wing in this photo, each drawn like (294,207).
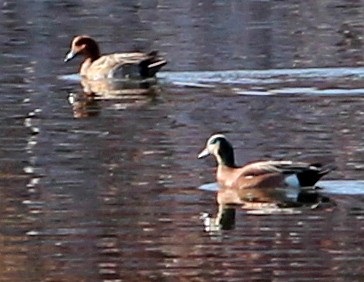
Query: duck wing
(126,65)
(282,167)
(307,173)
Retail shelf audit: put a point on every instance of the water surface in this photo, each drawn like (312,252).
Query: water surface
(108,189)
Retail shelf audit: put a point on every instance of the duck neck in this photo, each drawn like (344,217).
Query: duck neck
(84,66)
(92,51)
(226,157)
(94,55)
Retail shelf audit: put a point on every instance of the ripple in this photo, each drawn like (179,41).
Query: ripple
(261,76)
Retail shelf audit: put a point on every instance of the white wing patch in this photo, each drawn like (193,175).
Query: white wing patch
(292,181)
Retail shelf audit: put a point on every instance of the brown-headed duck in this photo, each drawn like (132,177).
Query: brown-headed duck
(135,65)
(257,181)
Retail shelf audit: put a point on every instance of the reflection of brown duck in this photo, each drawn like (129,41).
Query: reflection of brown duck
(107,88)
(84,105)
(119,65)
(261,181)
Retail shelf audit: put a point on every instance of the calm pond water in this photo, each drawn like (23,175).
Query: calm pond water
(110,189)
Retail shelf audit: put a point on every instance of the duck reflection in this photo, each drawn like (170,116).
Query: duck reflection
(84,105)
(277,204)
(127,93)
(224,220)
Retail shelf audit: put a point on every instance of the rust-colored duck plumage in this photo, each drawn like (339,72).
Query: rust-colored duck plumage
(258,180)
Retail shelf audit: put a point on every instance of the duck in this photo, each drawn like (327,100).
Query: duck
(132,65)
(259,181)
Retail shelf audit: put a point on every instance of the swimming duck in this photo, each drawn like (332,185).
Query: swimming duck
(136,65)
(254,180)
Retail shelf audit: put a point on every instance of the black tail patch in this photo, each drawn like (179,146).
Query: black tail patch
(309,177)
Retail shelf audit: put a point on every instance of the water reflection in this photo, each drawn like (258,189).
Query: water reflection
(125,94)
(279,197)
(226,212)
(113,198)
(224,219)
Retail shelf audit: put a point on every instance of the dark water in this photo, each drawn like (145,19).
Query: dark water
(108,189)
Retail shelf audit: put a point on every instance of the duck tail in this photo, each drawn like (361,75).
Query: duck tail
(151,65)
(323,169)
(157,65)
(313,174)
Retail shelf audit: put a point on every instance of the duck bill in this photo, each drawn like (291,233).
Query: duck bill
(204,153)
(70,55)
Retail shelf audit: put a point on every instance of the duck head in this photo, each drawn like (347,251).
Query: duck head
(221,148)
(84,45)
